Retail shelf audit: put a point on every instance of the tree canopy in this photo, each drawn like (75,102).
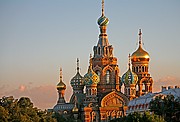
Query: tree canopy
(166,106)
(137,117)
(22,110)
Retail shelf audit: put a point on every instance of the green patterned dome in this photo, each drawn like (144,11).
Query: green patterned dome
(129,77)
(91,77)
(103,21)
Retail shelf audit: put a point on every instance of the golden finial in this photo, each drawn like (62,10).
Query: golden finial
(102,7)
(140,37)
(60,75)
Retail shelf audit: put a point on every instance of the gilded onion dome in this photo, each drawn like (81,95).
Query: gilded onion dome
(61,85)
(91,77)
(77,79)
(129,77)
(103,20)
(140,53)
(75,109)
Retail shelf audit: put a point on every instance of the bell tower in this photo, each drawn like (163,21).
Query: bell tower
(104,63)
(140,65)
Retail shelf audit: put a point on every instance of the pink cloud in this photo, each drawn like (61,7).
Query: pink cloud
(165,81)
(22,88)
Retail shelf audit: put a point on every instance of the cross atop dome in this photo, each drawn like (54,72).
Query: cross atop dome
(102,7)
(140,38)
(103,21)
(60,75)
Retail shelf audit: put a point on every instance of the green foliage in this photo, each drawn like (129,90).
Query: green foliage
(167,107)
(22,110)
(3,114)
(137,117)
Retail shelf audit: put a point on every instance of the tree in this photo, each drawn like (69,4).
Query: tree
(167,107)
(22,110)
(3,114)
(137,117)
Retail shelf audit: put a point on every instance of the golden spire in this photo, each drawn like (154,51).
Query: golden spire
(102,7)
(60,75)
(140,38)
(61,85)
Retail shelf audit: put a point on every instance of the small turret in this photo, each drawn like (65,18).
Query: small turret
(130,79)
(77,81)
(61,88)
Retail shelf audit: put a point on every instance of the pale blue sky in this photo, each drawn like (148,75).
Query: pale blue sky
(39,36)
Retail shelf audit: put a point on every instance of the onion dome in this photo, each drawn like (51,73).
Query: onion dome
(75,109)
(77,79)
(140,54)
(129,77)
(103,21)
(61,85)
(91,77)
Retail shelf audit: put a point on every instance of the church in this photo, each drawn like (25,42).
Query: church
(97,96)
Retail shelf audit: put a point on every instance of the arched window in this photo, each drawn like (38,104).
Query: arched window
(98,73)
(106,51)
(143,69)
(99,50)
(137,88)
(137,69)
(140,69)
(143,87)
(107,76)
(129,93)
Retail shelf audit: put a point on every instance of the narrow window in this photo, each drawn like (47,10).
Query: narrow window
(98,73)
(99,50)
(143,69)
(107,76)
(136,69)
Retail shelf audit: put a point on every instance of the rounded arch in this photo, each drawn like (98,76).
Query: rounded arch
(143,80)
(97,68)
(114,98)
(107,68)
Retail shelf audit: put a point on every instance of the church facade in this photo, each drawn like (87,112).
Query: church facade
(103,99)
